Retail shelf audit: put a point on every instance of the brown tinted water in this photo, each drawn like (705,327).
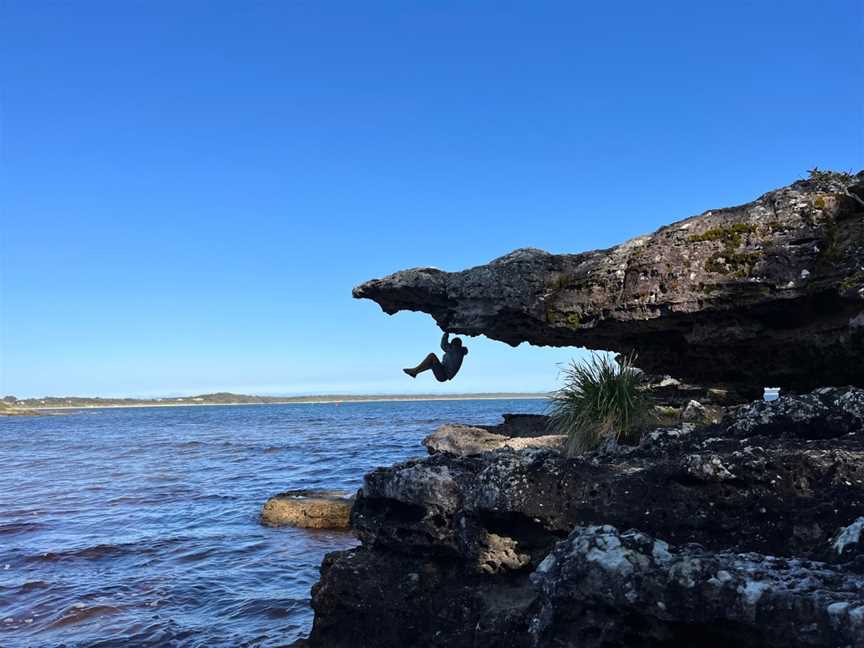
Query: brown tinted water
(139,527)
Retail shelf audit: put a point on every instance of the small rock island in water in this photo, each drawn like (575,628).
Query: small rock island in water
(740,522)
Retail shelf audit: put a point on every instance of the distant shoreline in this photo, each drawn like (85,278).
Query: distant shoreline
(315,400)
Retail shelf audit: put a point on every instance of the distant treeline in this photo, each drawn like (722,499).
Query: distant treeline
(227,398)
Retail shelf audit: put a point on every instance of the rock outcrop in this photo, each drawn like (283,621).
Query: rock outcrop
(464,440)
(747,532)
(770,293)
(310,509)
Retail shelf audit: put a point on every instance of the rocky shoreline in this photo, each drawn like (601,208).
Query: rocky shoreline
(750,530)
(736,521)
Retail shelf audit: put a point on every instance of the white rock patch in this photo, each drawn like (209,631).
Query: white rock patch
(848,535)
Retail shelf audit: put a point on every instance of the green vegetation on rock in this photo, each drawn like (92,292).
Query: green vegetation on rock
(729,261)
(737,264)
(573,320)
(731,235)
(838,182)
(600,401)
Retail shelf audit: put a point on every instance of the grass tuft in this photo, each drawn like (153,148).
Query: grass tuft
(600,400)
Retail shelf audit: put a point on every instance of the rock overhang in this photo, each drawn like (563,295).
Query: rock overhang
(765,294)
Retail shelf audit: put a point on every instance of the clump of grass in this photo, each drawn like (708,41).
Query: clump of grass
(600,400)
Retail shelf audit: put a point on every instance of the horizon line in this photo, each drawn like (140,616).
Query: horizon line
(336,394)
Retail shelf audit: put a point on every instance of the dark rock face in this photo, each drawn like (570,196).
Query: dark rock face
(770,293)
(830,413)
(520,426)
(368,599)
(666,391)
(530,548)
(657,594)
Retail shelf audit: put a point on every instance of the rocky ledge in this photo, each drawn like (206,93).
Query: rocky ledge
(748,531)
(770,293)
(517,432)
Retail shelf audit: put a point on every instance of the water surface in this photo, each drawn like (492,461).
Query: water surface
(139,527)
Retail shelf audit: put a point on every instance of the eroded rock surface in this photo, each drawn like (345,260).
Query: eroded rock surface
(602,587)
(770,293)
(741,536)
(824,412)
(464,440)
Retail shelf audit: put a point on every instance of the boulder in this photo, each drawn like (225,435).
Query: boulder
(464,440)
(770,293)
(695,412)
(311,509)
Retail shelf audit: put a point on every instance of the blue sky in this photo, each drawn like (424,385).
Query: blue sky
(189,190)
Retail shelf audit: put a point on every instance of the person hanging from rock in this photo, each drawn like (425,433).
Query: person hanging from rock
(447,368)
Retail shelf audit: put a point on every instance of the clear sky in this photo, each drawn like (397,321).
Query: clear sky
(190,189)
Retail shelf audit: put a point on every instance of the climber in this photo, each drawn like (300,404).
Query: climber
(447,368)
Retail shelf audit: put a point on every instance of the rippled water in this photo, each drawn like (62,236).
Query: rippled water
(139,527)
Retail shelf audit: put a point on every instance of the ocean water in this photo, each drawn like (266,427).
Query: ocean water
(139,527)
